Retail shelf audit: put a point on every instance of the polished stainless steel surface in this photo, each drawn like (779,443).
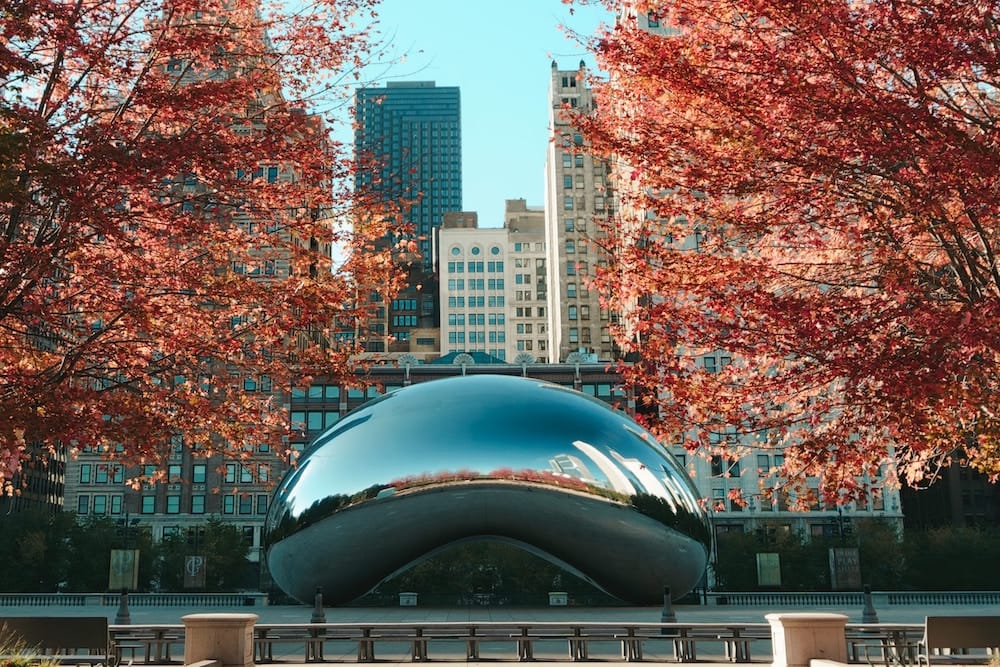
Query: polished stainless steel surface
(552,470)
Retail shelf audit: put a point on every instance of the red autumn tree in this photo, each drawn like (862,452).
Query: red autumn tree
(168,200)
(812,190)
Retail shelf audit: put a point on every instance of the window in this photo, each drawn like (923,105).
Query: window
(570,247)
(567,160)
(314,421)
(228,504)
(571,290)
(246,476)
(174,473)
(198,473)
(148,505)
(101,474)
(653,19)
(718,466)
(262,504)
(570,268)
(197,504)
(246,504)
(230,476)
(568,203)
(82,504)
(85,475)
(116,504)
(173,504)
(572,312)
(579,159)
(574,335)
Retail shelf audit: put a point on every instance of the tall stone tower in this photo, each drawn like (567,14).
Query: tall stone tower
(577,195)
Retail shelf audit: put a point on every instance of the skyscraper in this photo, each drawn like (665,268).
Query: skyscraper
(408,149)
(578,200)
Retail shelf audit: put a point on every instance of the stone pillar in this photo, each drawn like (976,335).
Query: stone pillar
(796,638)
(227,638)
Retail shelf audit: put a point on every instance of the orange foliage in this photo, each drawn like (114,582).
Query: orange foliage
(824,184)
(167,205)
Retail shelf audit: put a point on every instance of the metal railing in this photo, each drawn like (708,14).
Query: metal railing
(134,599)
(849,598)
(882,643)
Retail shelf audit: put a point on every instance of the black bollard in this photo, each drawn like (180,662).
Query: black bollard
(868,614)
(668,615)
(122,617)
(319,616)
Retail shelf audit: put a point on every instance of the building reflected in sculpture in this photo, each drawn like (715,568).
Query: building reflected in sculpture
(549,469)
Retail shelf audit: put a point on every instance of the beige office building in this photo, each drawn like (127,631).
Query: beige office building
(493,286)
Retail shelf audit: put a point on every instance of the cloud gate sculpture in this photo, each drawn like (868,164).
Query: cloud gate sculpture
(551,470)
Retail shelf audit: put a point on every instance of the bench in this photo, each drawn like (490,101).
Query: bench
(82,640)
(154,642)
(948,640)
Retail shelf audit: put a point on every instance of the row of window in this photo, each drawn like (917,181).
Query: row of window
(583,335)
(476,267)
(112,505)
(492,301)
(475,250)
(579,203)
(570,160)
(457,284)
(327,392)
(459,319)
(528,295)
(527,247)
(477,337)
(525,311)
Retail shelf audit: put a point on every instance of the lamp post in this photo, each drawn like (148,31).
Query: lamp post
(122,616)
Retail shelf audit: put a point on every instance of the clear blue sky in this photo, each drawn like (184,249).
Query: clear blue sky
(499,53)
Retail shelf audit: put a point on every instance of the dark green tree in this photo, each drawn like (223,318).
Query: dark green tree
(225,549)
(953,558)
(34,551)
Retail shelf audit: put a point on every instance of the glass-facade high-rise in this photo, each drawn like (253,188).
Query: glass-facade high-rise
(408,148)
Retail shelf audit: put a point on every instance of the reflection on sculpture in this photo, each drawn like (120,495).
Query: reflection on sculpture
(552,470)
